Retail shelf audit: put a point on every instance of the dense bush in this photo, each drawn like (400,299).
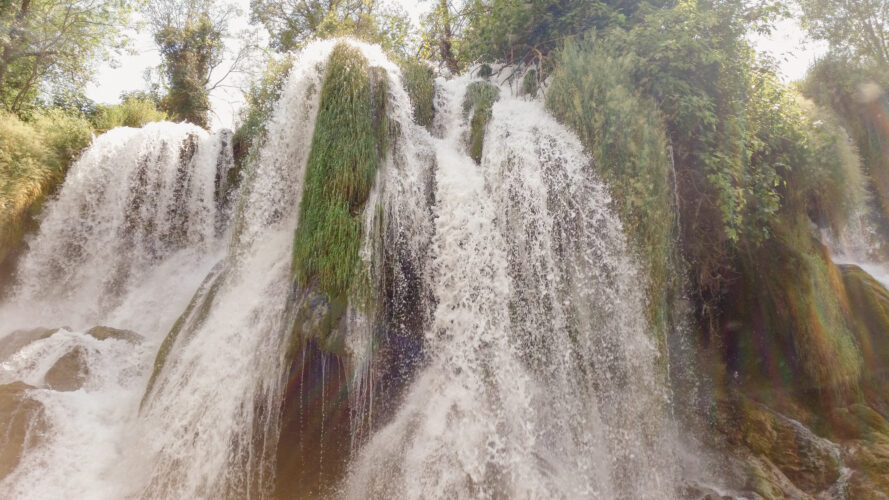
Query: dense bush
(132,112)
(34,157)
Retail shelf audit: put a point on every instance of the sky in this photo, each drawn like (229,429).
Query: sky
(787,44)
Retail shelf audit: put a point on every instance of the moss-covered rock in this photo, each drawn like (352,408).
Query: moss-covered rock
(787,326)
(347,148)
(767,439)
(480,98)
(193,317)
(419,81)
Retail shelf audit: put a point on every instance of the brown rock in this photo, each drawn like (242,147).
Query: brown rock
(70,372)
(12,343)
(22,424)
(106,332)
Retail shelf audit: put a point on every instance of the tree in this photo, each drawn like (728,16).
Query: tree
(857,26)
(291,23)
(441,30)
(50,46)
(190,36)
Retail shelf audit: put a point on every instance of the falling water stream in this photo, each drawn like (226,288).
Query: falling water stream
(536,375)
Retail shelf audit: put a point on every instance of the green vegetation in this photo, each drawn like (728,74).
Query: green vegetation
(292,24)
(34,157)
(189,36)
(592,93)
(349,140)
(419,81)
(132,112)
(479,100)
(49,48)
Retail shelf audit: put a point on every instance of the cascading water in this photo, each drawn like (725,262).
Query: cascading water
(505,329)
(860,245)
(132,233)
(541,380)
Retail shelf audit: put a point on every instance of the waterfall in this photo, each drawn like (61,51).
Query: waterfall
(502,349)
(133,231)
(541,377)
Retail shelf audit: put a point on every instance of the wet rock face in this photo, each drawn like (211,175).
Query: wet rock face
(782,454)
(22,424)
(13,342)
(314,441)
(70,372)
(106,332)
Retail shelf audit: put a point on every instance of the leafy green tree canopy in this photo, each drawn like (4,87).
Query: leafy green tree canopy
(190,38)
(860,27)
(51,46)
(292,23)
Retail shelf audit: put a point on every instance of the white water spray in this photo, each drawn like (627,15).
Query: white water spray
(537,376)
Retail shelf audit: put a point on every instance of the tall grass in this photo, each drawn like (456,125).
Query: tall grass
(347,146)
(34,157)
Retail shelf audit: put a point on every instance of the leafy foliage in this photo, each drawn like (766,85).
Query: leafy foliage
(34,157)
(52,45)
(347,146)
(292,23)
(859,27)
(189,36)
(852,91)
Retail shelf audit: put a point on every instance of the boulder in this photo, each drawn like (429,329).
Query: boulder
(70,372)
(12,343)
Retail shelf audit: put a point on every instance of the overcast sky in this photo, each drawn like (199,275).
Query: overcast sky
(788,45)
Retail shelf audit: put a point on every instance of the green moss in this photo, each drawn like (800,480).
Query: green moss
(347,147)
(419,81)
(529,83)
(868,303)
(480,99)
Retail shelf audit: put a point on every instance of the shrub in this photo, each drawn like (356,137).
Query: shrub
(132,112)
(34,157)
